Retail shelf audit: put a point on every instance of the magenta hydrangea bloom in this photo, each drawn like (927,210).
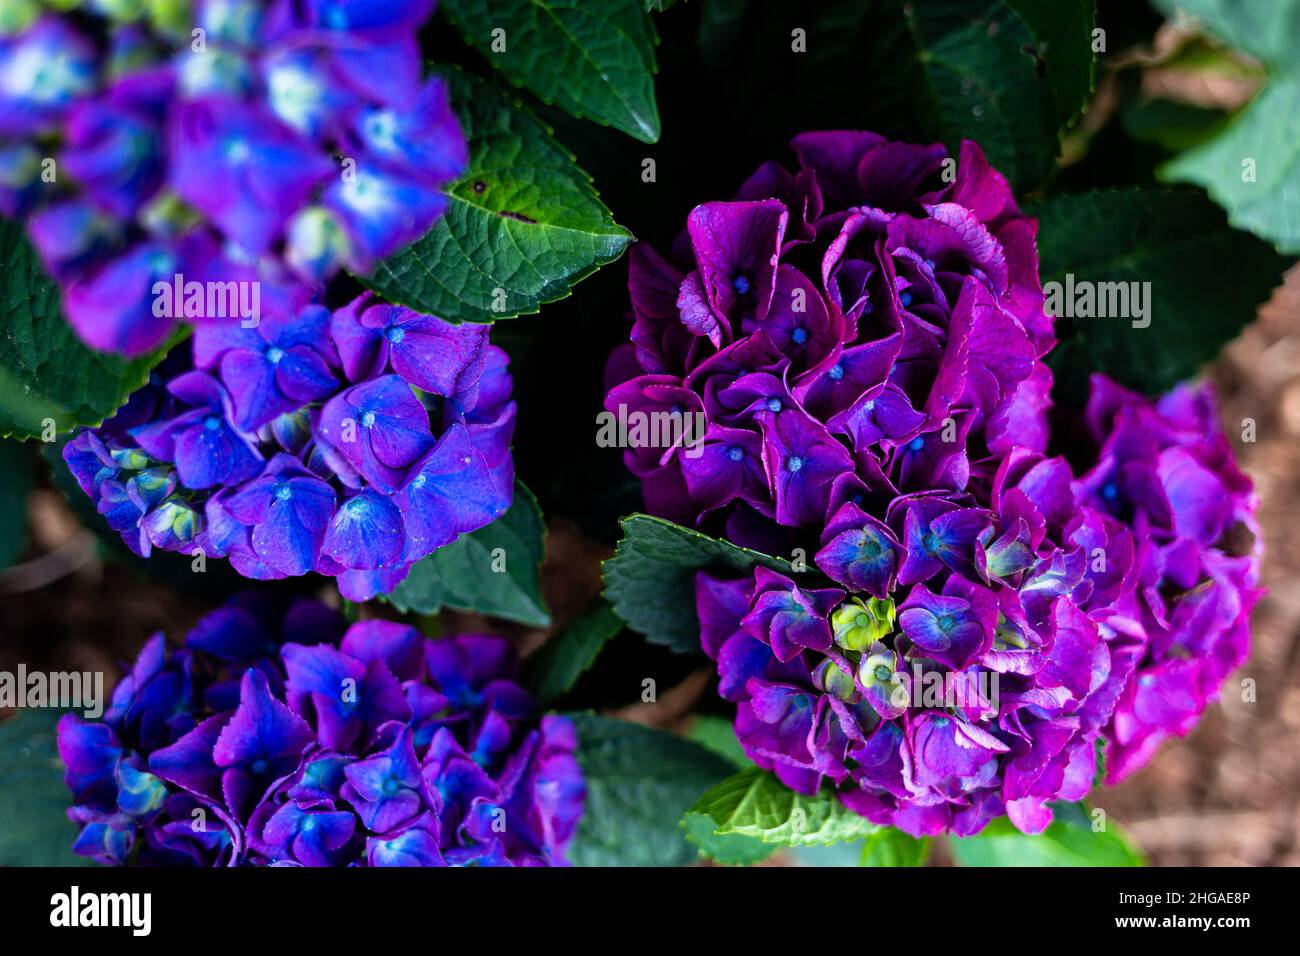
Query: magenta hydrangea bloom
(224,141)
(278,736)
(952,661)
(866,313)
(350,444)
(856,349)
(1167,470)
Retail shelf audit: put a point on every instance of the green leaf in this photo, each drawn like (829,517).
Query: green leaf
(45,371)
(719,735)
(755,803)
(890,846)
(639,783)
(1266,133)
(556,667)
(650,581)
(34,799)
(463,575)
(1068,841)
(731,849)
(523,226)
(15,484)
(1206,280)
(594,60)
(1170,125)
(1009,74)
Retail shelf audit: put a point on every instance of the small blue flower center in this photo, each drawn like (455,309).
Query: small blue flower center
(212,422)
(931,542)
(395,334)
(1110,491)
(274,355)
(836,372)
(419,481)
(774,404)
(308,825)
(905,298)
(735,453)
(794,463)
(946,622)
(741,284)
(392,785)
(238,151)
(883,672)
(916,444)
(368,419)
(799,336)
(336,18)
(870,546)
(260,765)
(283,492)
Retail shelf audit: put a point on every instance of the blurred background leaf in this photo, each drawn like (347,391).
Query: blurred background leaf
(45,371)
(1206,281)
(35,830)
(640,781)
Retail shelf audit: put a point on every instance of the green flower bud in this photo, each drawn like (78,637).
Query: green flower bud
(828,678)
(171,18)
(317,243)
(857,624)
(17,15)
(130,459)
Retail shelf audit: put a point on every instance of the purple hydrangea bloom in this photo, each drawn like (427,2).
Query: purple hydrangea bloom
(976,621)
(864,314)
(1167,470)
(291,447)
(223,141)
(963,664)
(276,737)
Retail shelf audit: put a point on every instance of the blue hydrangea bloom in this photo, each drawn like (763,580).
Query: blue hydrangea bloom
(274,737)
(251,141)
(284,451)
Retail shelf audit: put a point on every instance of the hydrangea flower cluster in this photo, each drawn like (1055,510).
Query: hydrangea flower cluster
(350,443)
(1168,471)
(863,339)
(869,314)
(226,141)
(955,660)
(275,737)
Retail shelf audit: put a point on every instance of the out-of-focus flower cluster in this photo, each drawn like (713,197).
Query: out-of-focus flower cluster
(276,737)
(350,443)
(225,141)
(1167,471)
(856,350)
